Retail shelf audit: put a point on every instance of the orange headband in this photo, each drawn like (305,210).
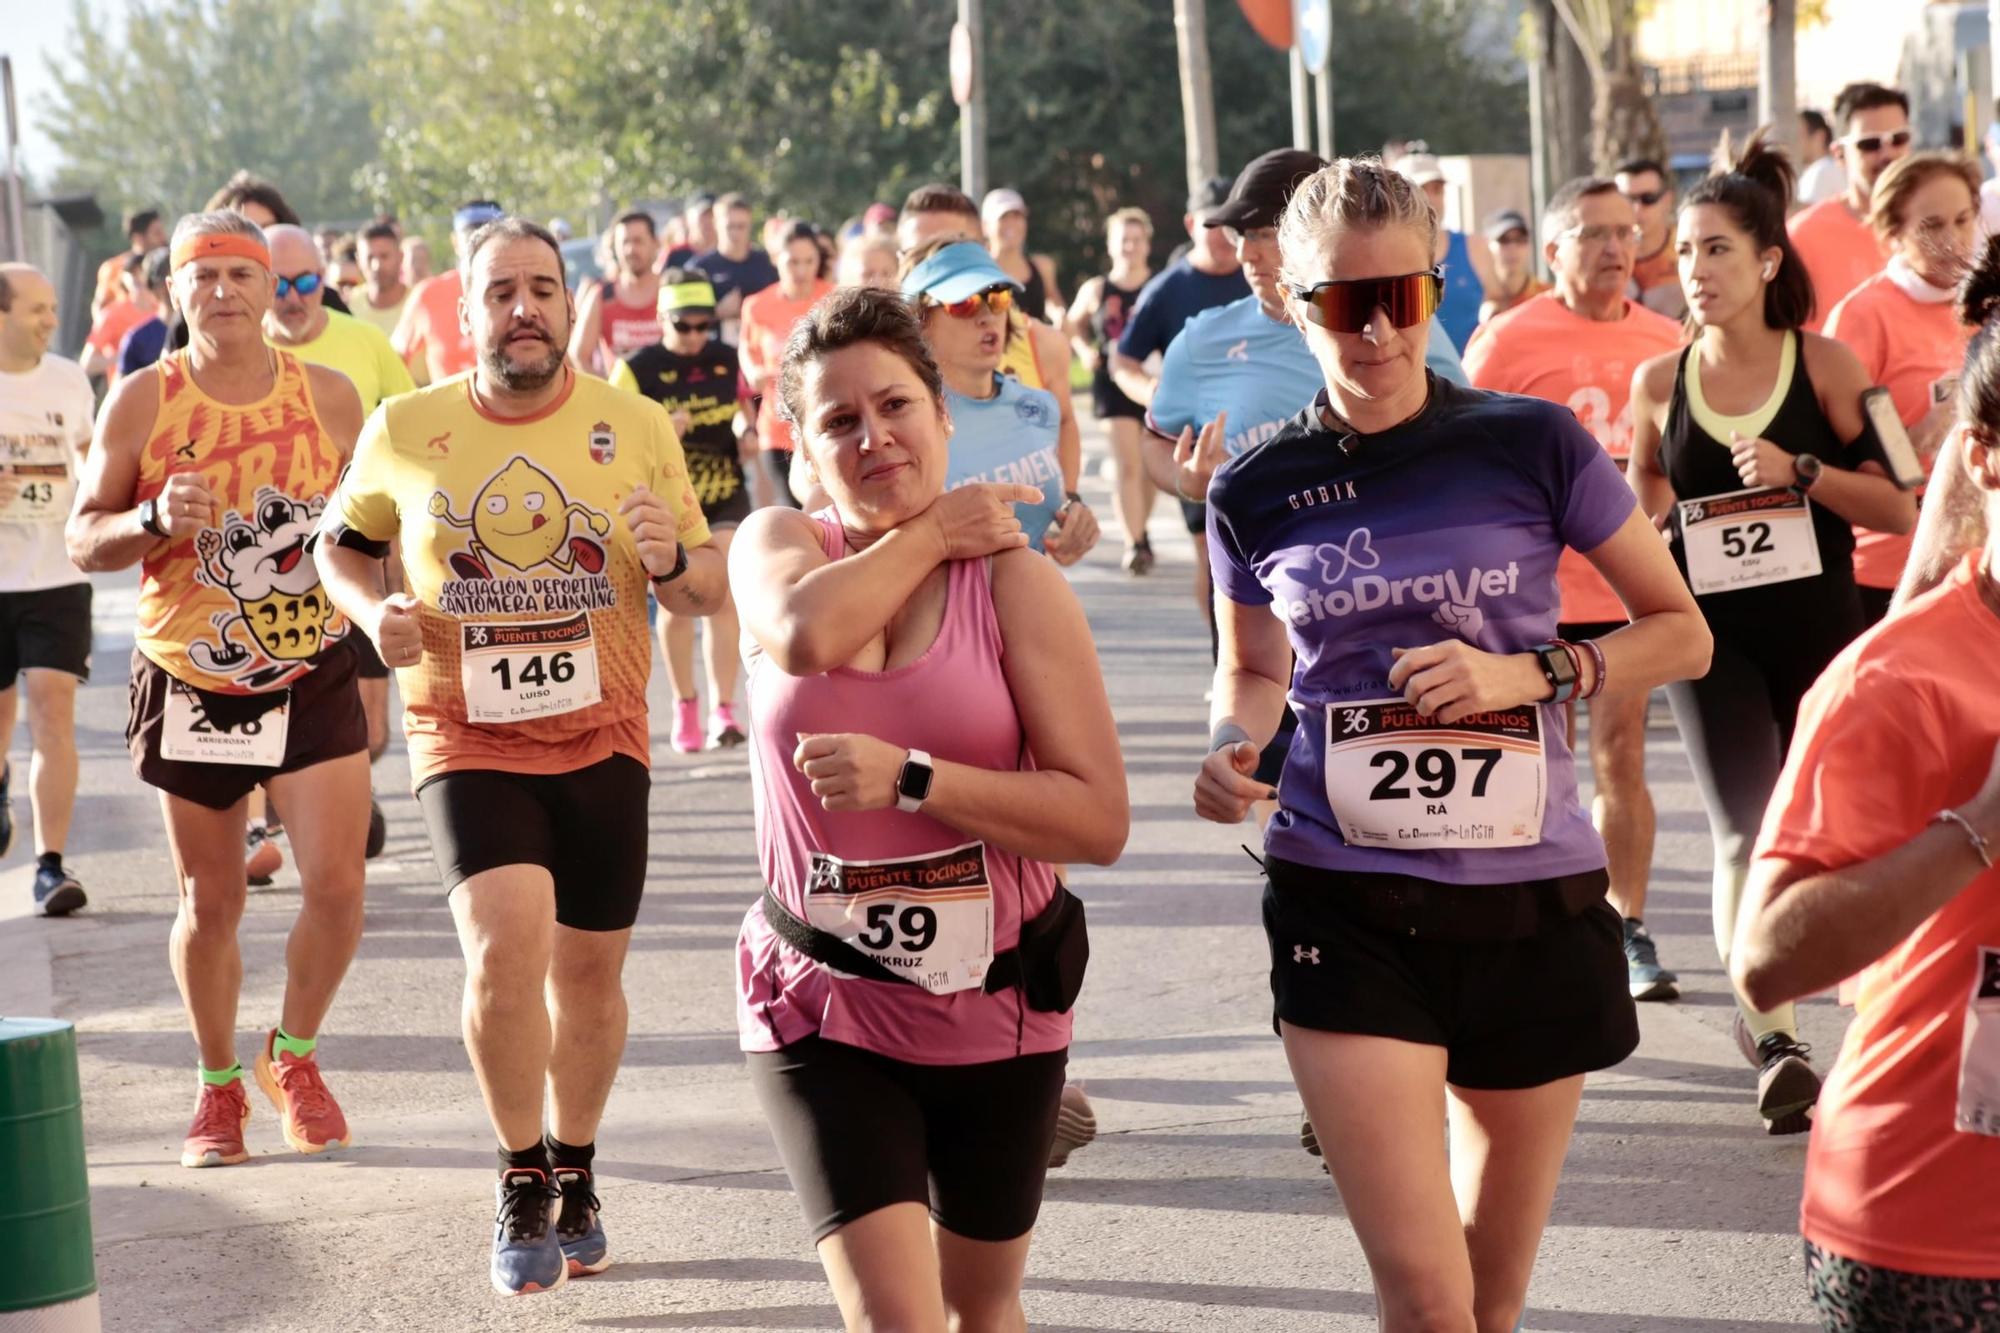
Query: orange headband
(220,243)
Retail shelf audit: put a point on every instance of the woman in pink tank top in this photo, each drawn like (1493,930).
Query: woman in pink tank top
(930,737)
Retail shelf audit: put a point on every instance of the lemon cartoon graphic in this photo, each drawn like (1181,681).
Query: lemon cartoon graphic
(521,518)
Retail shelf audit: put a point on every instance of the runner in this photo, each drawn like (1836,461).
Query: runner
(1903,324)
(1578,346)
(144,343)
(694,375)
(1821,176)
(1858,874)
(416,261)
(868,260)
(1094,322)
(144,231)
(698,224)
(383,293)
(430,337)
(45,410)
(134,306)
(1465,276)
(212,469)
(906,653)
(1003,217)
(1656,279)
(767,321)
(1760,422)
(1510,244)
(736,268)
(1003,430)
(533,505)
(1437,940)
(621,314)
(1833,238)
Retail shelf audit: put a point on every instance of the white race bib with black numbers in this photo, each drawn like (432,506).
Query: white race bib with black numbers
(1979,1057)
(35,493)
(518,670)
(1405,782)
(1745,539)
(928,917)
(187,734)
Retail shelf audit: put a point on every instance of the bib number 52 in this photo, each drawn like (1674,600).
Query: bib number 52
(1436,769)
(537,671)
(1752,539)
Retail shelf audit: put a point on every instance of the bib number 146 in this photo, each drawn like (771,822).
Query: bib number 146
(515,670)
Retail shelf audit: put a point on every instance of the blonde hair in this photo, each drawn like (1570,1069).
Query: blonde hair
(1353,193)
(1905,176)
(1136,216)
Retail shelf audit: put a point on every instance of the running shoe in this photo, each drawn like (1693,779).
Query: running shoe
(1787,1087)
(526,1254)
(378,830)
(263,857)
(687,726)
(1138,560)
(57,892)
(579,1227)
(1643,973)
(1076,1124)
(6,808)
(724,731)
(216,1136)
(311,1117)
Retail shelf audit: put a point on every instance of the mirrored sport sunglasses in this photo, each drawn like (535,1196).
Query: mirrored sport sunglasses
(305,284)
(1875,143)
(998,299)
(1346,306)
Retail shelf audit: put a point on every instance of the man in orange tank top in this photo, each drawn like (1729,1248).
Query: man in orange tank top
(212,468)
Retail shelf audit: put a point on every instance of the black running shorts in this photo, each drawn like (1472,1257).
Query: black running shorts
(1522,984)
(587,828)
(368,663)
(859,1131)
(47,628)
(325,722)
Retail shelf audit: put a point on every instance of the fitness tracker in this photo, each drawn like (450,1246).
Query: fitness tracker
(149,518)
(680,566)
(1558,669)
(1808,468)
(913,784)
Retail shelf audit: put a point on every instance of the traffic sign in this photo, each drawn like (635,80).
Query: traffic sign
(1312,28)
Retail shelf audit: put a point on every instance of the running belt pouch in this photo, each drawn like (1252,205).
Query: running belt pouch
(1048,964)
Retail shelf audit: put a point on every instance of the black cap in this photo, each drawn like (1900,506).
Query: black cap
(1264,188)
(1213,193)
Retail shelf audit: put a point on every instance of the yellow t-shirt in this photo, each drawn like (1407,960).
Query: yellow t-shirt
(361,353)
(515,524)
(385,318)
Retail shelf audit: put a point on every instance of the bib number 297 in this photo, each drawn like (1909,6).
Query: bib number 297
(1434,771)
(1404,782)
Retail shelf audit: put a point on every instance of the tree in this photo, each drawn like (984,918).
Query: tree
(1623,122)
(163,106)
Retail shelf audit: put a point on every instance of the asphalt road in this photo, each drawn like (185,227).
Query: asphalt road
(1194,1211)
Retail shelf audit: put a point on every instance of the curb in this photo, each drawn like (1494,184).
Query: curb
(27,975)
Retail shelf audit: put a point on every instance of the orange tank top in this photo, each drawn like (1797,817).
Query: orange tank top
(237,608)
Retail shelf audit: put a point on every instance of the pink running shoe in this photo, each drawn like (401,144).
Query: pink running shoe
(216,1136)
(724,731)
(311,1117)
(687,726)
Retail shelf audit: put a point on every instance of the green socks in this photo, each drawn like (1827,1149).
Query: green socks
(221,1078)
(300,1048)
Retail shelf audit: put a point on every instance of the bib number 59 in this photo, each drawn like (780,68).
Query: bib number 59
(560,669)
(917,927)
(1436,770)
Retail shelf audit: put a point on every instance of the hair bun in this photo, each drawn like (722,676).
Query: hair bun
(1764,163)
(1979,294)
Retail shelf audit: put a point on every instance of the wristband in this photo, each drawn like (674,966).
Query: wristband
(1977,839)
(1597,658)
(1226,734)
(1576,663)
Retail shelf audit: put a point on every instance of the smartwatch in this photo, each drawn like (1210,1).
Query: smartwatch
(1558,669)
(680,567)
(149,518)
(1808,468)
(913,784)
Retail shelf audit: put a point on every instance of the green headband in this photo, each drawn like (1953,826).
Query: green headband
(687,296)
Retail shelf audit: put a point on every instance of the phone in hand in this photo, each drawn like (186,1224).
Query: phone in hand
(1904,465)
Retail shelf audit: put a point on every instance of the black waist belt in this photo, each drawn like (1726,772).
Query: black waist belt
(821,947)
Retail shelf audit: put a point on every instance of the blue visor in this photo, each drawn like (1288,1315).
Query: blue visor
(956,272)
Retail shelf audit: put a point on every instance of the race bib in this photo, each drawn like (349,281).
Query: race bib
(527,669)
(1979,1059)
(928,917)
(35,493)
(1747,538)
(1402,781)
(187,733)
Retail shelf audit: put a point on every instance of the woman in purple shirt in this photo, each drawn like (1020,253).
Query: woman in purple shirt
(903,987)
(1435,899)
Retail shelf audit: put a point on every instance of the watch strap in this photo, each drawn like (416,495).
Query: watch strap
(149,517)
(680,566)
(908,804)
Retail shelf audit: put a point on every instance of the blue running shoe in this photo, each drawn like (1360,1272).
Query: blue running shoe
(57,892)
(1644,976)
(526,1254)
(578,1226)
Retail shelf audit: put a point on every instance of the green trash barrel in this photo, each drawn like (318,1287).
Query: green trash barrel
(48,1281)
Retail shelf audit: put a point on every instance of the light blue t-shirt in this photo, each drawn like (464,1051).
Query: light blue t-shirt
(1237,359)
(1009,437)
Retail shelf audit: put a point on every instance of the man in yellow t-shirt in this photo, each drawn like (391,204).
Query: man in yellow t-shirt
(299,322)
(535,507)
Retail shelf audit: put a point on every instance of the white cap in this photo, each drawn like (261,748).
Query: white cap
(1420,168)
(999,203)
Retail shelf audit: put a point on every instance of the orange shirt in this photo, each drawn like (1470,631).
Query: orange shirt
(1901,725)
(429,333)
(1906,345)
(768,318)
(108,286)
(1839,250)
(1545,350)
(108,330)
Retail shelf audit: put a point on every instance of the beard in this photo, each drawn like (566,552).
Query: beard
(518,377)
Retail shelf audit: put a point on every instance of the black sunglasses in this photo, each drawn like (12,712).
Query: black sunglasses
(1649,198)
(692,325)
(1347,305)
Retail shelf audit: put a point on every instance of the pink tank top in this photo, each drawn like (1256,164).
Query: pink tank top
(954,702)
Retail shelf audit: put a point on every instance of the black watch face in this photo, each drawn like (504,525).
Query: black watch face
(1558,667)
(915,782)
